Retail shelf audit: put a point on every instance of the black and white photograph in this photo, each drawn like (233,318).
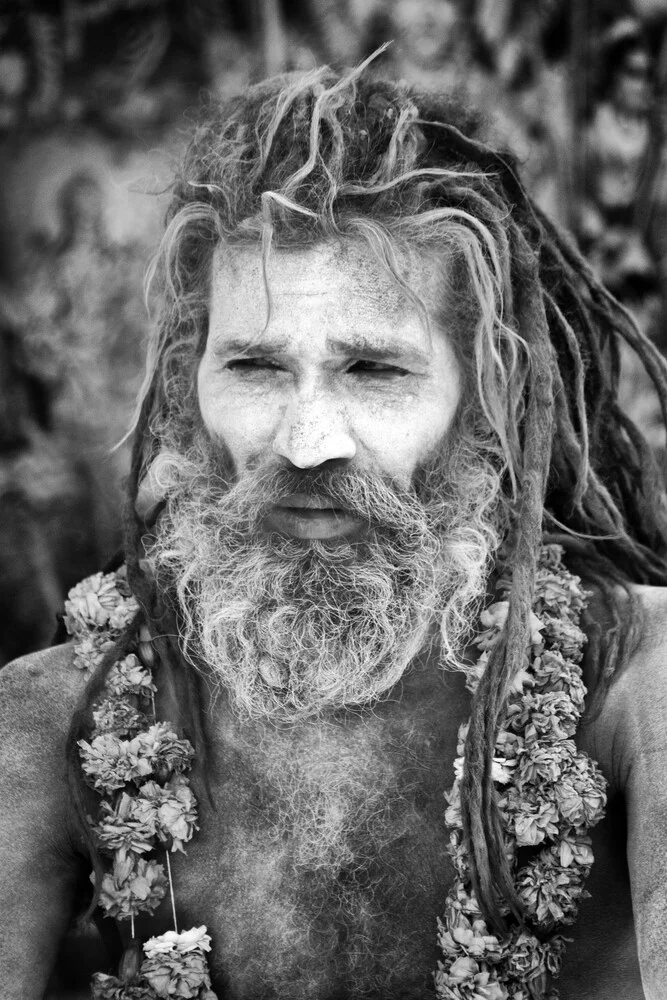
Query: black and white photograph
(333,500)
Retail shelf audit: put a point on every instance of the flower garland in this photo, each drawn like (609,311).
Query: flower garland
(138,765)
(549,794)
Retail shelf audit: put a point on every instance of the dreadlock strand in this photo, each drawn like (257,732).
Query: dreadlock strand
(580,435)
(567,446)
(476,804)
(612,312)
(478,789)
(653,361)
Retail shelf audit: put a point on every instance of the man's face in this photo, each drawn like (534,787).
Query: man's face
(354,521)
(344,372)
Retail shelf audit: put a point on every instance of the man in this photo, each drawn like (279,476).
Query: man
(380,381)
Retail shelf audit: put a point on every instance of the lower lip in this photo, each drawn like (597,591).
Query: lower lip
(311,523)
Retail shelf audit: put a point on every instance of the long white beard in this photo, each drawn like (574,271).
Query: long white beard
(292,628)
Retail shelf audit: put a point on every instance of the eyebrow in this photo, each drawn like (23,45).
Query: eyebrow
(369,349)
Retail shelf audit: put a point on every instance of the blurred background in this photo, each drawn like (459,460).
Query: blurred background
(94,99)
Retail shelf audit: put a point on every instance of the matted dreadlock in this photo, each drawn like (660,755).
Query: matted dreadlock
(301,160)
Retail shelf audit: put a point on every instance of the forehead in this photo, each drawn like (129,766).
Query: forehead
(345,285)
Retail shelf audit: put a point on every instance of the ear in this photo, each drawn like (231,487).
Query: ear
(155,485)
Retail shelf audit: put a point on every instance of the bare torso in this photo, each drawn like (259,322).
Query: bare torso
(324,866)
(321,866)
(299,915)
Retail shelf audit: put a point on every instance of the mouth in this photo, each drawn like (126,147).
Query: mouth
(311,517)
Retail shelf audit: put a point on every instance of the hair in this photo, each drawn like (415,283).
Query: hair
(302,160)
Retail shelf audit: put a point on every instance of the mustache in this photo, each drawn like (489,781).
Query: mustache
(376,499)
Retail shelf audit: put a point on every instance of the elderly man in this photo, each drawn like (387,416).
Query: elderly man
(324,734)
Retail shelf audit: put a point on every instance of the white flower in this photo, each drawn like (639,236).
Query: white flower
(501,770)
(536,628)
(495,615)
(195,938)
(521,679)
(577,849)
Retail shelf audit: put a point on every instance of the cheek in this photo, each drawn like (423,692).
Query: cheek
(412,432)
(212,405)
(400,438)
(244,428)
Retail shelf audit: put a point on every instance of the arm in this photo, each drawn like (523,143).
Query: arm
(38,861)
(647,859)
(632,746)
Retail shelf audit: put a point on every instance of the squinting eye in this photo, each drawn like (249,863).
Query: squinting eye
(376,368)
(252,364)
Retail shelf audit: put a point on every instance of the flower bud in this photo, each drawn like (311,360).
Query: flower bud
(146,651)
(130,963)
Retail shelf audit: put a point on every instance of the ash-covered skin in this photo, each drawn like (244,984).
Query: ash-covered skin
(343,368)
(329,842)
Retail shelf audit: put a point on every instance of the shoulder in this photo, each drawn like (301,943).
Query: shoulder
(42,852)
(38,695)
(632,734)
(42,685)
(630,727)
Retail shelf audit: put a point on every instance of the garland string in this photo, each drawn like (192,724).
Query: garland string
(171,891)
(139,766)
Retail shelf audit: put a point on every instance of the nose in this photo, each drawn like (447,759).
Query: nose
(314,429)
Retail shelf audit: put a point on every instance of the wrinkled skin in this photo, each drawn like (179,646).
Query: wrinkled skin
(280,929)
(339,368)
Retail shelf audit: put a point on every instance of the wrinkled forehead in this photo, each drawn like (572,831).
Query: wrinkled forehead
(349,274)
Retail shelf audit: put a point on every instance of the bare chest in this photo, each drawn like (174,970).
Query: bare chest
(321,865)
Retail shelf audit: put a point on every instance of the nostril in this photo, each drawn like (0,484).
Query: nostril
(313,437)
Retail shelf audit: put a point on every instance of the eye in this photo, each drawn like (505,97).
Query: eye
(250,365)
(377,368)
